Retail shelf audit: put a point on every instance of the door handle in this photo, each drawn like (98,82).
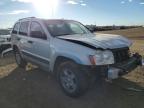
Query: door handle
(30,42)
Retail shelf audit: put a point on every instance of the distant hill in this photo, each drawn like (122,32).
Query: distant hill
(130,33)
(107,28)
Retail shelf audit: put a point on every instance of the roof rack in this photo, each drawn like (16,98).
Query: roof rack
(26,18)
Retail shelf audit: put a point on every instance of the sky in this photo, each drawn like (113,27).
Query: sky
(99,12)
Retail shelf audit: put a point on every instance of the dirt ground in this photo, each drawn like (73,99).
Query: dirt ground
(34,88)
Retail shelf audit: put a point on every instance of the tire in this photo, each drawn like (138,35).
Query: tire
(19,60)
(72,79)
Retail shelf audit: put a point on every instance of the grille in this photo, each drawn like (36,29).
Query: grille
(121,55)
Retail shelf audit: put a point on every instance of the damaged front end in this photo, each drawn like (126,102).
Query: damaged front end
(122,68)
(112,57)
(125,62)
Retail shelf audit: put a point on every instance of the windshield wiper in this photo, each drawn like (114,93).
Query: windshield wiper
(63,34)
(69,34)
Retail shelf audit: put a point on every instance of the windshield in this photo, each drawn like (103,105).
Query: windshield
(60,28)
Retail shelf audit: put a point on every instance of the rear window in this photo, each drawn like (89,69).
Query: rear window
(15,29)
(24,28)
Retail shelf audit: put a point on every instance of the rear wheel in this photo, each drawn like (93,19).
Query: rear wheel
(19,60)
(72,79)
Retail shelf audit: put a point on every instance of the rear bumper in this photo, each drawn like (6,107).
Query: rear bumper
(116,70)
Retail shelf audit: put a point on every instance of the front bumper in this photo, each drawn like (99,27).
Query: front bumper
(116,70)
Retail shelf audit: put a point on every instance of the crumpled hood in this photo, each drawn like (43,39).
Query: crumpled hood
(104,41)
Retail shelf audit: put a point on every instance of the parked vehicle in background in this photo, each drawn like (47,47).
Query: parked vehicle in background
(5,38)
(5,42)
(71,52)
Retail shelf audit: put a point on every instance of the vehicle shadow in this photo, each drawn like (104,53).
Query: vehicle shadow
(37,89)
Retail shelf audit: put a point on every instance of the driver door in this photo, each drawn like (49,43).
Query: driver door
(39,44)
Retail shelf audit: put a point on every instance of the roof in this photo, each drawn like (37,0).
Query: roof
(46,19)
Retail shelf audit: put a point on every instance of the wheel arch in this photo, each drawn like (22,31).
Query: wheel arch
(61,59)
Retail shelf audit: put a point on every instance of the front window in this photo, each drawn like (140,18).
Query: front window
(36,31)
(60,28)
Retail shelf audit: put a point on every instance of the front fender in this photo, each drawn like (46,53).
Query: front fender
(73,57)
(76,59)
(77,53)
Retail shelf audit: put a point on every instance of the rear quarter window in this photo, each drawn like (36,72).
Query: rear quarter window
(16,28)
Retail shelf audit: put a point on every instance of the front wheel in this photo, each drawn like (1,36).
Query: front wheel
(19,60)
(72,79)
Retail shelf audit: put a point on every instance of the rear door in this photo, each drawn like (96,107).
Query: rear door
(23,37)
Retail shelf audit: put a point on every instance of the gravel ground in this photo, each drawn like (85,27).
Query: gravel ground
(34,88)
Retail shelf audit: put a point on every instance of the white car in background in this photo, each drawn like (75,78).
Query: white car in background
(5,44)
(5,38)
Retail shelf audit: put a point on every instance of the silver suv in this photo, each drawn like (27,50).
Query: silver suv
(71,52)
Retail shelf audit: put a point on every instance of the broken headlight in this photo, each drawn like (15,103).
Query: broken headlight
(102,58)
